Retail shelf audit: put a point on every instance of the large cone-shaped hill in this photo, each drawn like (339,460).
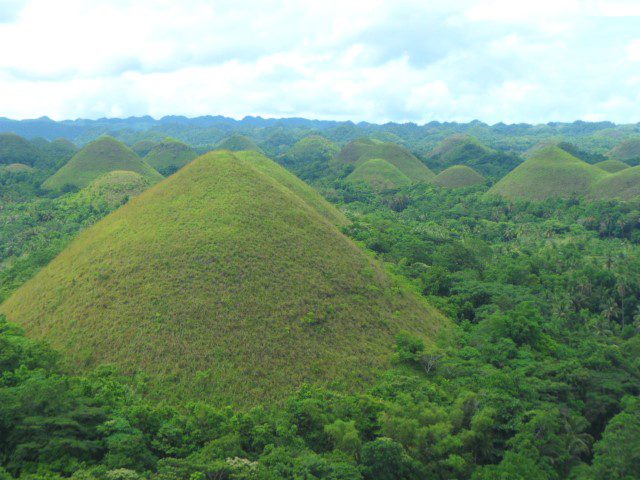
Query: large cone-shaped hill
(170,155)
(237,143)
(551,172)
(379,175)
(94,160)
(459,176)
(361,150)
(225,281)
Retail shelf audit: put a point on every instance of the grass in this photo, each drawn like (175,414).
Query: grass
(611,165)
(17,168)
(623,185)
(627,151)
(170,154)
(222,282)
(15,149)
(459,176)
(114,188)
(143,147)
(359,151)
(550,172)
(237,143)
(94,160)
(379,175)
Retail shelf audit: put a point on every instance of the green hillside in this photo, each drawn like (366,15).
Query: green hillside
(15,149)
(310,157)
(237,143)
(359,151)
(551,172)
(379,175)
(94,160)
(17,168)
(143,147)
(170,155)
(459,176)
(611,166)
(114,188)
(627,151)
(467,150)
(222,282)
(623,185)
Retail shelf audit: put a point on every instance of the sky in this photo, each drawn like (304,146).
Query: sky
(375,60)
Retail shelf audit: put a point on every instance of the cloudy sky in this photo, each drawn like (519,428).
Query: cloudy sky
(374,60)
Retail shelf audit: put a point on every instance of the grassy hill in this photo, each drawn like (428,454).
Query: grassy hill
(467,150)
(222,282)
(627,151)
(170,155)
(114,188)
(623,185)
(611,166)
(459,176)
(17,168)
(237,143)
(310,157)
(379,175)
(15,149)
(551,172)
(359,151)
(94,160)
(143,147)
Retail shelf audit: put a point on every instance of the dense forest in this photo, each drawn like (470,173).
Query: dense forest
(537,378)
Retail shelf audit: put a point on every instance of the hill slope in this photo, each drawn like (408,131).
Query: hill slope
(237,143)
(459,176)
(114,188)
(170,155)
(15,149)
(623,185)
(359,151)
(310,157)
(627,151)
(222,283)
(379,175)
(97,158)
(611,166)
(551,172)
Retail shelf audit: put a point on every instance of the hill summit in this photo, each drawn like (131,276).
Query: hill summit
(170,155)
(228,281)
(97,158)
(459,176)
(237,143)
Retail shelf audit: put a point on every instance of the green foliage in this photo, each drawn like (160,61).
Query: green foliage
(309,158)
(15,149)
(169,155)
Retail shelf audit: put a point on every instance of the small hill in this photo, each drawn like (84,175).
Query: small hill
(55,154)
(309,158)
(222,282)
(143,147)
(627,151)
(379,175)
(237,143)
(612,166)
(459,176)
(17,168)
(623,185)
(114,188)
(15,149)
(359,151)
(468,151)
(170,155)
(551,172)
(94,160)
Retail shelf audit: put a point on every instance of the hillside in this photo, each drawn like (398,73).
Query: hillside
(627,151)
(15,149)
(611,166)
(170,155)
(226,284)
(143,147)
(379,175)
(94,160)
(237,143)
(114,188)
(359,151)
(468,151)
(459,176)
(17,168)
(551,172)
(310,157)
(623,185)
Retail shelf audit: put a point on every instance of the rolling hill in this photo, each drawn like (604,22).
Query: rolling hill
(237,143)
(459,176)
(15,149)
(143,147)
(627,151)
(623,185)
(17,168)
(226,282)
(310,157)
(611,166)
(170,155)
(550,172)
(94,160)
(379,175)
(114,188)
(359,151)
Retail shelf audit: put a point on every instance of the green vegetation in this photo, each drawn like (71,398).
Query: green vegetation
(310,157)
(113,189)
(94,160)
(15,149)
(170,155)
(379,175)
(17,168)
(459,176)
(468,151)
(227,285)
(624,185)
(612,166)
(143,147)
(238,143)
(359,151)
(627,151)
(551,172)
